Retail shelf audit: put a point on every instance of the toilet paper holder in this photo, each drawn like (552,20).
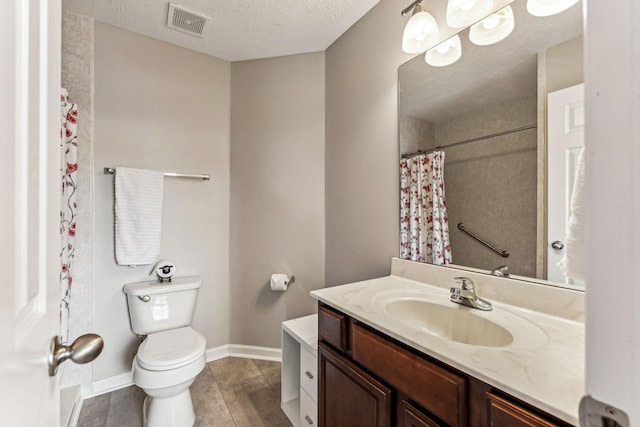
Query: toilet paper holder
(281,281)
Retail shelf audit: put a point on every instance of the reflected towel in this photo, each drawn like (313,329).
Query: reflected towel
(572,263)
(138,210)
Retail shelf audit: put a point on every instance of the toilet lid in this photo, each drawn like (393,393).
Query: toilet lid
(170,349)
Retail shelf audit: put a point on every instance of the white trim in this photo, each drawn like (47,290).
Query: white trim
(108,385)
(71,419)
(217,353)
(117,382)
(244,351)
(254,352)
(74,417)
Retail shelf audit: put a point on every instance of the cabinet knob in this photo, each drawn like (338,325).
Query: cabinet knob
(308,419)
(309,375)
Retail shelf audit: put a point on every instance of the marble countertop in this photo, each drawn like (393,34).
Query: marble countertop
(545,369)
(304,330)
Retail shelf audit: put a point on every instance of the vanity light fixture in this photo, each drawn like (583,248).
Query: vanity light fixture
(446,53)
(421,31)
(493,29)
(548,7)
(462,13)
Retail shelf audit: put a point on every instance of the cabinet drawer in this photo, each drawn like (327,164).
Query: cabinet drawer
(308,410)
(504,413)
(439,391)
(413,417)
(309,373)
(332,327)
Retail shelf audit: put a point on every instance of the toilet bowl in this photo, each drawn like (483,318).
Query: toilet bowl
(166,365)
(172,354)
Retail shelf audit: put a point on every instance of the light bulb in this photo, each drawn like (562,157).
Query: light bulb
(491,22)
(443,48)
(494,28)
(446,53)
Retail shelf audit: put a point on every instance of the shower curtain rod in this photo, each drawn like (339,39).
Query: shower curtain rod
(467,141)
(204,176)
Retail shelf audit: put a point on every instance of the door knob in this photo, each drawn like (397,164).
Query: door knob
(83,350)
(557,245)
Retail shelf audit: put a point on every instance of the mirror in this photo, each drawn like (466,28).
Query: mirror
(488,113)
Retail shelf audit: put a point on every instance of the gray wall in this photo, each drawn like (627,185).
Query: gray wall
(277,192)
(162,107)
(362,156)
(415,134)
(565,64)
(491,186)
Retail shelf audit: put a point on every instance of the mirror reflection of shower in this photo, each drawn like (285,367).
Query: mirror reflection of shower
(487,113)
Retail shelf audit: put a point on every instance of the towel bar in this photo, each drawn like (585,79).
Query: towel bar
(203,176)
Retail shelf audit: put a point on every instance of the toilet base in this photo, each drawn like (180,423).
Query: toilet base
(174,411)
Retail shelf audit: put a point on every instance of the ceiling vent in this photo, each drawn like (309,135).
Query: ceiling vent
(186,21)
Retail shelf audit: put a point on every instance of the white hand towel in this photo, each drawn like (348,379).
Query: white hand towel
(138,208)
(572,263)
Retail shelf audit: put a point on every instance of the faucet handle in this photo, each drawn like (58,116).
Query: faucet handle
(466,283)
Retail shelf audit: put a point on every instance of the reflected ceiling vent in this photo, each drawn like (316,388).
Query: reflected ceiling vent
(186,21)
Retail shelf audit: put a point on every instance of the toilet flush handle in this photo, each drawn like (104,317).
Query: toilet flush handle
(145,298)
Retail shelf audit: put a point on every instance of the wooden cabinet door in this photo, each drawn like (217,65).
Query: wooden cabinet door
(410,416)
(504,413)
(348,397)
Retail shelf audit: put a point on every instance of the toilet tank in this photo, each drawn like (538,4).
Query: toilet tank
(155,306)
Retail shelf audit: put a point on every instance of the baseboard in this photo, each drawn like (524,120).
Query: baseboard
(108,385)
(117,382)
(244,351)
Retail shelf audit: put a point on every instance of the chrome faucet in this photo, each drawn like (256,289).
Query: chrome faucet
(502,271)
(466,295)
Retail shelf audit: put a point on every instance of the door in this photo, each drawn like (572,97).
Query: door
(612,71)
(565,120)
(349,397)
(30,188)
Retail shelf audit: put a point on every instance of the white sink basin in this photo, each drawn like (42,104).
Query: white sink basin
(436,315)
(453,323)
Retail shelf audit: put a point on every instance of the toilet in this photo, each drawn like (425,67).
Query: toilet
(172,355)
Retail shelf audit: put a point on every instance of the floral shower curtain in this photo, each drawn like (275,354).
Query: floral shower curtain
(68,206)
(424,227)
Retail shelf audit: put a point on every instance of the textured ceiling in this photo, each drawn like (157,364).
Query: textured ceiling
(485,75)
(239,29)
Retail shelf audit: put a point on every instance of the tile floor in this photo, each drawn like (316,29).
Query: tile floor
(230,392)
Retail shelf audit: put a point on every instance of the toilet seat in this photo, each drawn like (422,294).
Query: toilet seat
(170,349)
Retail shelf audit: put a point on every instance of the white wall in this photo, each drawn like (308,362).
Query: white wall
(161,107)
(277,192)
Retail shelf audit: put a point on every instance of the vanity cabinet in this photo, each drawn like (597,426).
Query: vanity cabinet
(367,379)
(350,396)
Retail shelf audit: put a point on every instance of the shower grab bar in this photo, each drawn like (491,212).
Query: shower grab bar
(203,176)
(504,254)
